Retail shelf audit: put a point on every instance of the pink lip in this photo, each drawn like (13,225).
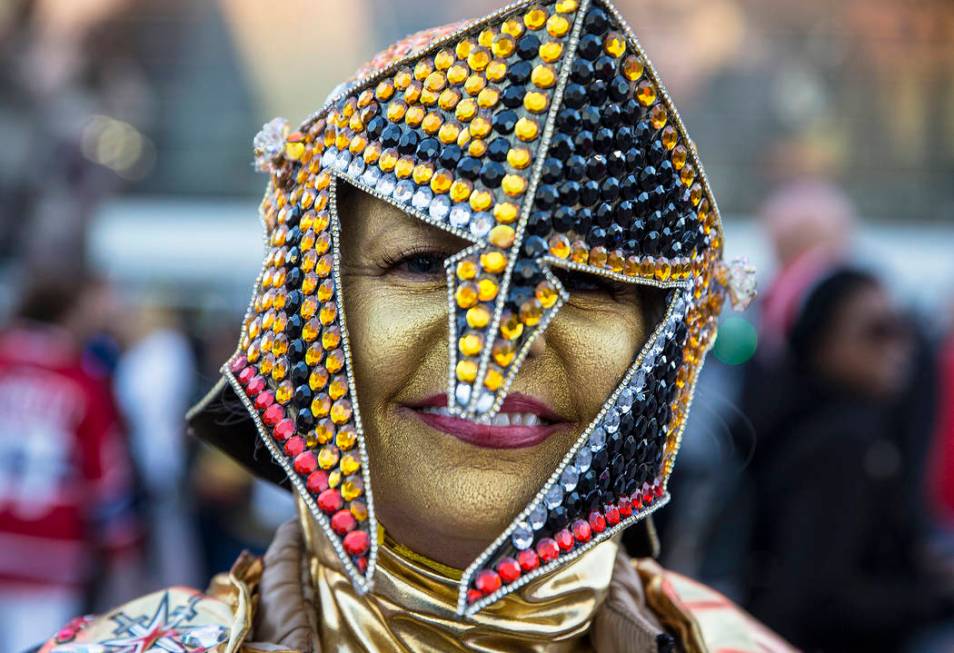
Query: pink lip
(488,435)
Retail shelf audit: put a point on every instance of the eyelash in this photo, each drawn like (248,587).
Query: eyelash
(391,262)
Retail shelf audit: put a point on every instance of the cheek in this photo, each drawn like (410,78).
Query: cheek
(597,347)
(394,333)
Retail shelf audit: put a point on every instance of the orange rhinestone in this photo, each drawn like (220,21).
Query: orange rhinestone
(494,379)
(614,44)
(646,93)
(546,294)
(559,246)
(670,137)
(503,352)
(441,181)
(658,116)
(679,156)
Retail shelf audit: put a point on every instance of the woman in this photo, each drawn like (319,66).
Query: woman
(531,261)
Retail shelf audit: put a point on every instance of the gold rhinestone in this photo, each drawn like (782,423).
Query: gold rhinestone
(513,185)
(493,262)
(474,84)
(551,51)
(493,379)
(557,25)
(503,352)
(477,148)
(444,59)
(470,344)
(448,132)
(567,6)
(526,129)
(513,27)
(497,70)
(488,97)
(543,76)
(463,48)
(632,67)
(422,69)
(614,44)
(466,370)
(535,18)
(448,99)
(466,110)
(503,45)
(478,59)
(519,157)
(415,115)
(457,73)
(534,102)
(502,235)
(505,212)
(646,93)
(486,37)
(466,269)
(478,317)
(658,116)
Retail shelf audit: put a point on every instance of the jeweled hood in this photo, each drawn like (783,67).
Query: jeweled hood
(542,135)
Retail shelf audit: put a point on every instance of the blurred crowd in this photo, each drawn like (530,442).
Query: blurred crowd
(815,484)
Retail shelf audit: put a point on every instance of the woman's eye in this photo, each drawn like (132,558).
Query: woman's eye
(420,264)
(577,282)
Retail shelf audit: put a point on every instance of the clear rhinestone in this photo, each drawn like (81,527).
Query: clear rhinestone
(328,158)
(459,215)
(611,420)
(462,394)
(386,185)
(584,458)
(371,176)
(422,198)
(485,402)
(625,400)
(481,224)
(538,516)
(403,191)
(569,478)
(597,439)
(356,167)
(439,207)
(342,161)
(554,496)
(522,536)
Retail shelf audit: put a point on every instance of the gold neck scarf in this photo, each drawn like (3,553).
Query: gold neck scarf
(413,604)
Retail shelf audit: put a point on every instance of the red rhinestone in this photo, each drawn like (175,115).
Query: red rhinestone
(362,564)
(474,595)
(306,463)
(659,490)
(564,539)
(528,560)
(343,522)
(509,570)
(581,531)
(648,495)
(246,375)
(238,364)
(255,385)
(598,521)
(317,482)
(330,501)
(284,430)
(356,543)
(273,414)
(612,515)
(294,446)
(264,400)
(487,581)
(625,507)
(548,549)
(637,500)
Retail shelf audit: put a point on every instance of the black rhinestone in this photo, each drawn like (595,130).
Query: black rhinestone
(557,519)
(583,142)
(519,73)
(294,216)
(539,223)
(374,127)
(614,235)
(561,146)
(450,155)
(546,197)
(596,21)
(616,163)
(619,482)
(593,500)
(618,89)
(293,326)
(581,71)
(629,187)
(564,218)
(497,149)
(603,481)
(604,67)
(574,168)
(305,420)
(492,173)
(293,301)
(603,140)
(629,447)
(574,96)
(293,278)
(596,92)
(596,167)
(590,193)
(569,193)
(631,487)
(528,46)
(293,236)
(534,246)
(504,121)
(428,149)
(624,137)
(625,212)
(512,97)
(584,219)
(296,349)
(520,294)
(302,394)
(634,159)
(568,119)
(587,482)
(596,237)
(469,167)
(524,271)
(610,189)
(552,170)
(292,256)
(614,442)
(604,214)
(299,373)
(408,142)
(573,502)
(391,136)
(600,460)
(591,117)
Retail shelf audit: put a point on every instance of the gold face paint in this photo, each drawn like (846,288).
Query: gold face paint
(436,494)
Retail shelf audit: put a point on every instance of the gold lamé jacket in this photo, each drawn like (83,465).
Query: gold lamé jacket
(292,600)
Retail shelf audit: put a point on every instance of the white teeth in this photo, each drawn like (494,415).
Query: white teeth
(500,419)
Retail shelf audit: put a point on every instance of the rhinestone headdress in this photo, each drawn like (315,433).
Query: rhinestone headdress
(542,135)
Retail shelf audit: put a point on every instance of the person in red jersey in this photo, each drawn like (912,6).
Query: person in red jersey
(65,476)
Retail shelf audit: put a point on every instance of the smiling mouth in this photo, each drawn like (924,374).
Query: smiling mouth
(522,422)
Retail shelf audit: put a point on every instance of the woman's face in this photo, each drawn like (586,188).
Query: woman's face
(445,487)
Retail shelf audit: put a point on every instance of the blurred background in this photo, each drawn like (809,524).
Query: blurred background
(816,479)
